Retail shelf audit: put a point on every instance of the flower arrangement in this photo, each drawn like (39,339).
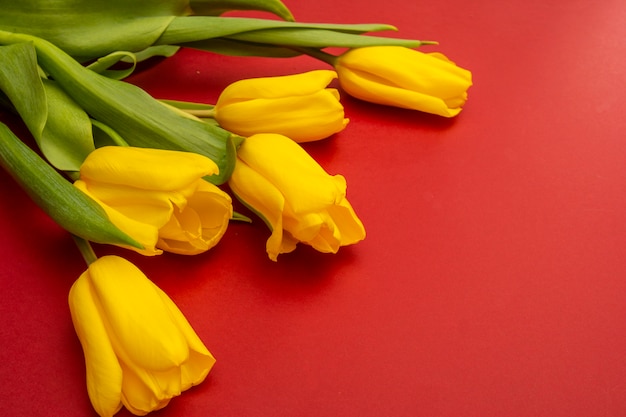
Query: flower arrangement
(120,167)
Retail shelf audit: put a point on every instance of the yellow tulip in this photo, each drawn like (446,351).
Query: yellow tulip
(403,77)
(140,350)
(298,106)
(298,200)
(158,197)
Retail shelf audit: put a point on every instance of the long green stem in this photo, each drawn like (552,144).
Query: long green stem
(209,113)
(85,250)
(319,54)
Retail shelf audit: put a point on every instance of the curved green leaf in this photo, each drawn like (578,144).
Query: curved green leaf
(20,81)
(225,46)
(154,51)
(318,38)
(60,127)
(89,29)
(138,117)
(217,7)
(64,203)
(67,137)
(103,65)
(195,28)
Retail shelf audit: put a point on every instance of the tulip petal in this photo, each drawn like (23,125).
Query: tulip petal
(326,231)
(261,196)
(183,225)
(302,226)
(315,229)
(141,394)
(154,169)
(212,204)
(408,68)
(104,373)
(405,78)
(153,207)
(273,156)
(143,233)
(201,224)
(183,234)
(214,208)
(149,391)
(327,241)
(366,87)
(303,84)
(349,224)
(302,118)
(141,332)
(200,362)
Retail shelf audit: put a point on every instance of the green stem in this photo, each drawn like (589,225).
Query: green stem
(209,113)
(319,54)
(85,250)
(112,134)
(240,218)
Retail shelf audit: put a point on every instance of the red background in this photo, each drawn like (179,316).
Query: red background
(493,278)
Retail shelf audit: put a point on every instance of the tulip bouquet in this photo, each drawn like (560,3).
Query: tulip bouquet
(114,165)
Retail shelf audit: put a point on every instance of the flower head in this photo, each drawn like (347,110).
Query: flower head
(299,201)
(158,197)
(298,106)
(140,351)
(403,77)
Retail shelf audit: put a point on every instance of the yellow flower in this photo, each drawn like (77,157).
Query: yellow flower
(298,200)
(158,197)
(140,350)
(298,106)
(403,77)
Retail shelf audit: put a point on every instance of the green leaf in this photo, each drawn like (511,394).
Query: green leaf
(188,105)
(67,137)
(103,135)
(130,111)
(154,51)
(60,127)
(64,203)
(225,46)
(88,29)
(92,28)
(318,38)
(195,28)
(217,7)
(20,81)
(286,43)
(261,37)
(103,65)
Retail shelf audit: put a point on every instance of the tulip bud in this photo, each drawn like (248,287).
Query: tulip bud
(299,201)
(298,106)
(140,351)
(159,197)
(403,77)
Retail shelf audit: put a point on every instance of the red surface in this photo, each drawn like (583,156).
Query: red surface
(493,278)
